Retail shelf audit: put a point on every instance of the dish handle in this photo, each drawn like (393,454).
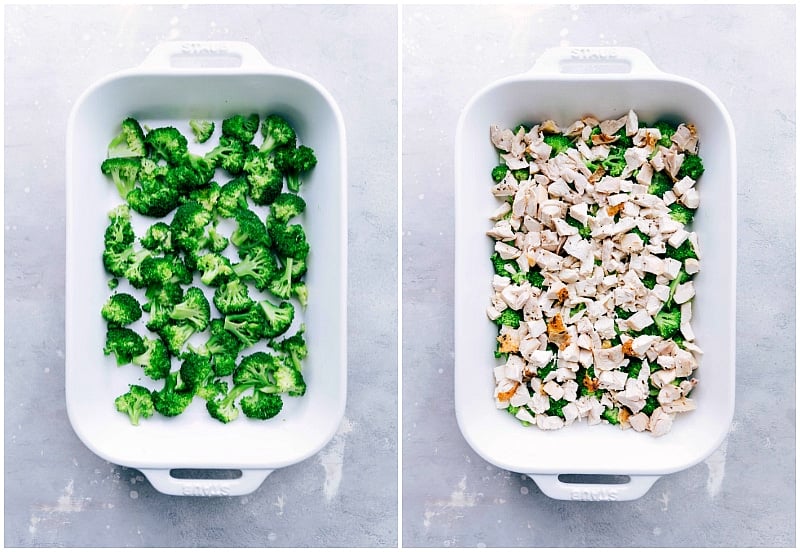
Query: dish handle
(591,60)
(635,487)
(163,481)
(215,54)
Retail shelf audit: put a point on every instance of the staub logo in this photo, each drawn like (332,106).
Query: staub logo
(205,489)
(195,48)
(597,495)
(593,54)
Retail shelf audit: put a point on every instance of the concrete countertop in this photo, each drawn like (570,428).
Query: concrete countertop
(744,493)
(57,492)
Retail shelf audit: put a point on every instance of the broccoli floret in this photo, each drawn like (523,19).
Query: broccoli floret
(202,130)
(259,266)
(278,317)
(649,280)
(211,390)
(615,163)
(293,347)
(154,200)
(261,406)
(509,317)
(228,154)
(287,206)
(623,140)
(287,380)
(157,270)
(134,272)
(281,283)
(168,401)
(232,297)
(650,404)
(499,265)
(188,226)
(692,167)
(232,198)
(123,172)
(288,240)
(207,196)
(190,172)
(536,278)
(152,173)
(558,142)
(682,277)
(611,415)
(129,142)
(583,229)
(222,348)
(277,132)
(137,403)
(622,313)
(194,309)
(499,172)
(157,238)
(161,300)
(117,262)
(224,409)
(241,127)
(119,232)
(215,269)
(121,309)
(668,322)
(155,360)
(167,143)
(124,344)
(250,231)
(195,372)
(300,291)
(682,252)
(247,326)
(175,336)
(521,175)
(557,407)
(680,213)
(256,370)
(294,162)
(633,368)
(666,130)
(264,179)
(660,183)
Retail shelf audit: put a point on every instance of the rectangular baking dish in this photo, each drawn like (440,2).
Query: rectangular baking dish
(179,81)
(566,84)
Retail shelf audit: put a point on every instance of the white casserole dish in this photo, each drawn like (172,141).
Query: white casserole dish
(173,85)
(551,90)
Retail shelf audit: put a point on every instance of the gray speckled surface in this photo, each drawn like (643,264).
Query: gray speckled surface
(744,494)
(57,492)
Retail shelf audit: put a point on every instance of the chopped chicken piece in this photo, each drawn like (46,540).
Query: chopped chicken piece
(685,137)
(684,292)
(660,422)
(549,422)
(639,421)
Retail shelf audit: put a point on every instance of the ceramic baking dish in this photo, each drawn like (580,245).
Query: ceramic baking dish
(179,81)
(566,84)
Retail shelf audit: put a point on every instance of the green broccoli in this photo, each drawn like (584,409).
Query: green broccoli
(300,291)
(156,199)
(232,198)
(278,317)
(286,380)
(121,309)
(680,213)
(222,348)
(286,206)
(117,263)
(137,403)
(160,270)
(558,142)
(557,407)
(660,183)
(155,360)
(682,252)
(650,404)
(264,179)
(668,322)
(152,172)
(615,162)
(194,309)
(195,371)
(682,277)
(124,344)
(202,130)
(509,317)
(294,162)
(123,172)
(250,231)
(167,143)
(229,154)
(207,196)
(135,274)
(649,280)
(499,265)
(241,127)
(129,142)
(161,300)
(168,401)
(175,336)
(281,283)
(666,130)
(232,297)
(119,234)
(623,140)
(258,266)
(277,132)
(692,167)
(157,238)
(583,229)
(611,415)
(188,227)
(499,172)
(294,348)
(215,269)
(288,240)
(247,326)
(261,406)
(190,172)
(644,237)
